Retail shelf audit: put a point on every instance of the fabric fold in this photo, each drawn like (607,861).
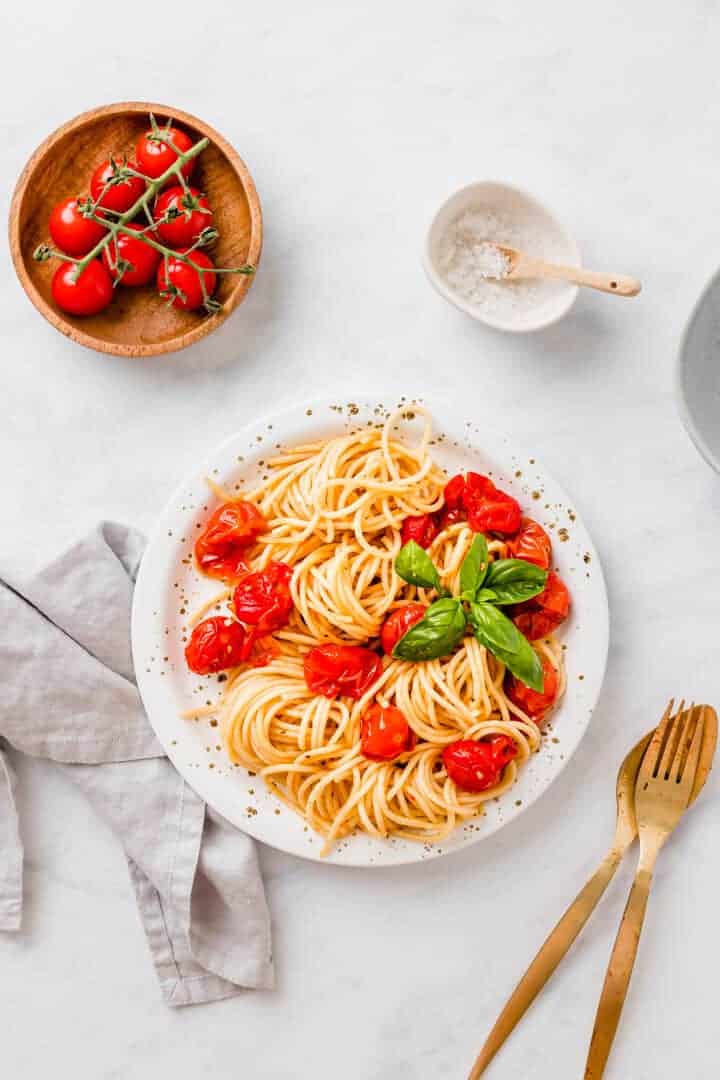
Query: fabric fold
(70,696)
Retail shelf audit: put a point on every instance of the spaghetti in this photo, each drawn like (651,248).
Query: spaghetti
(336,513)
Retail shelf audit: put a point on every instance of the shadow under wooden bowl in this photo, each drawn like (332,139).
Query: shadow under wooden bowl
(138,322)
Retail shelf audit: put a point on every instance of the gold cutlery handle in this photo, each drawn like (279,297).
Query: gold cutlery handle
(551,953)
(618,975)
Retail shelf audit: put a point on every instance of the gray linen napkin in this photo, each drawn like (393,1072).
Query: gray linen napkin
(68,694)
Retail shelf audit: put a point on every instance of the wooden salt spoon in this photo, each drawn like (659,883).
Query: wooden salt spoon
(522,265)
(567,929)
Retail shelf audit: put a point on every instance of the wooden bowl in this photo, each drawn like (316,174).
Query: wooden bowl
(138,322)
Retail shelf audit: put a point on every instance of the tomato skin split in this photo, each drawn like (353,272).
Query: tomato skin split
(385,733)
(398,623)
(477,765)
(215,645)
(350,670)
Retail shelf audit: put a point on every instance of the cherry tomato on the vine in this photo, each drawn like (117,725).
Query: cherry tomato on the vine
(90,294)
(155,157)
(216,644)
(341,669)
(534,704)
(71,231)
(538,617)
(220,547)
(120,196)
(385,733)
(532,543)
(477,766)
(182,281)
(422,529)
(194,215)
(142,258)
(263,599)
(398,623)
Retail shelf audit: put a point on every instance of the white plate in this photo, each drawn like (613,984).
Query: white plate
(168,588)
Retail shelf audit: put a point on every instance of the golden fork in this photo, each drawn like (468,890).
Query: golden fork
(663,793)
(567,929)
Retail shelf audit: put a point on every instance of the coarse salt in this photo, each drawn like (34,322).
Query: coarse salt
(475,268)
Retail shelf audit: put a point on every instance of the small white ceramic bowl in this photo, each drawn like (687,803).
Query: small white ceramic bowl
(697,374)
(549,301)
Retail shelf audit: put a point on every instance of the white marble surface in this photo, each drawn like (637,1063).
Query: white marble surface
(357,120)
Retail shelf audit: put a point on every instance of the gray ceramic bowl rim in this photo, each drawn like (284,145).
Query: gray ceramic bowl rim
(681,400)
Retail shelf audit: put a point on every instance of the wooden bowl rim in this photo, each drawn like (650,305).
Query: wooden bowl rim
(205,325)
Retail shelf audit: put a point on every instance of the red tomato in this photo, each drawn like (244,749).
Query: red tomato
(155,157)
(532,543)
(341,669)
(72,232)
(194,215)
(488,508)
(454,492)
(216,644)
(183,281)
(449,516)
(90,294)
(220,547)
(262,600)
(262,651)
(385,733)
(398,623)
(538,617)
(534,704)
(142,258)
(120,196)
(422,529)
(476,766)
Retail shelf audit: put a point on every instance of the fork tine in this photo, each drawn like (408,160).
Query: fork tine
(672,741)
(686,761)
(654,750)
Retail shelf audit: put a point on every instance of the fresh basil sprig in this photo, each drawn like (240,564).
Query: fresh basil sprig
(484,587)
(503,639)
(440,630)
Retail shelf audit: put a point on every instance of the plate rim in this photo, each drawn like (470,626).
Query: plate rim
(417,852)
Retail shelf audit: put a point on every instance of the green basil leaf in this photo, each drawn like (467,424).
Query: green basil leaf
(514,580)
(438,632)
(486,596)
(503,639)
(415,566)
(474,567)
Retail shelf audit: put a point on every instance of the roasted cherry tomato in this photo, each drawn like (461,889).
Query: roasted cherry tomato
(532,543)
(449,516)
(454,492)
(190,213)
(538,617)
(221,546)
(182,281)
(71,232)
(398,623)
(262,600)
(216,644)
(155,157)
(422,529)
(90,294)
(341,669)
(262,650)
(120,196)
(476,766)
(385,733)
(142,258)
(532,703)
(488,508)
